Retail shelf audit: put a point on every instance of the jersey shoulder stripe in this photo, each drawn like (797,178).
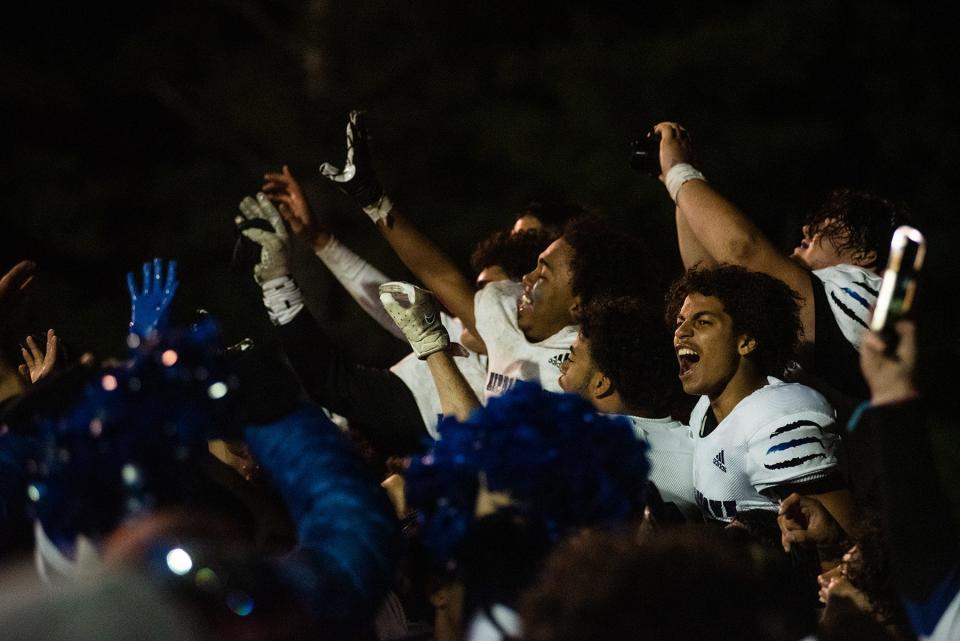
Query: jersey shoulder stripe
(794,462)
(852,315)
(797,442)
(794,426)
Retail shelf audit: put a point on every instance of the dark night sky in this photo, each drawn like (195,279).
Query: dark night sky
(135,131)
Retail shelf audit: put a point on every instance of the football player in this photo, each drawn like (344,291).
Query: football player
(756,438)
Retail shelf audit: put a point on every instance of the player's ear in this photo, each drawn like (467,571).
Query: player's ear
(746,344)
(602,385)
(866,259)
(574,309)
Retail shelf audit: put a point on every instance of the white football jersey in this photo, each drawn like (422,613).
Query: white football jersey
(362,281)
(671,460)
(852,292)
(510,356)
(775,436)
(948,627)
(415,373)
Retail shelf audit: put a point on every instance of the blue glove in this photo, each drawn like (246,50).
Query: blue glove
(151,306)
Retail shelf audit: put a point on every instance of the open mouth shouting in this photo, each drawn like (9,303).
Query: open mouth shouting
(525,302)
(688,359)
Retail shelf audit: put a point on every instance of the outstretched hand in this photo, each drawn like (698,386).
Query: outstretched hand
(14,283)
(150,304)
(38,363)
(890,374)
(283,190)
(805,521)
(260,221)
(357,179)
(414,310)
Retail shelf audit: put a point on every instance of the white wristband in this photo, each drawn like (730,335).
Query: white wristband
(380,209)
(283,299)
(680,174)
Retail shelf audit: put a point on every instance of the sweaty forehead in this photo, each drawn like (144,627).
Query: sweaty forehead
(557,255)
(696,303)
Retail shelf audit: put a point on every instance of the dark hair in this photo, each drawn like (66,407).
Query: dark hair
(608,263)
(553,216)
(761,307)
(516,253)
(629,344)
(860,222)
(872,573)
(599,585)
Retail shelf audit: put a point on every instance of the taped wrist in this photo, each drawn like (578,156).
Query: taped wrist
(680,174)
(379,209)
(283,299)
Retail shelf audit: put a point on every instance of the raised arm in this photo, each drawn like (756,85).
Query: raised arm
(712,223)
(423,257)
(692,253)
(415,313)
(358,277)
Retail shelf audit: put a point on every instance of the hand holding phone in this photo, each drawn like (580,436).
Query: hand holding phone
(899,287)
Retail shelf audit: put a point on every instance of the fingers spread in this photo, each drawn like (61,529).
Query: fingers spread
(27,357)
(35,350)
(271,214)
(146,279)
(50,356)
(18,274)
(171,284)
(249,209)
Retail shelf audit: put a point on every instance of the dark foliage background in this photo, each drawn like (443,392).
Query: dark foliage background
(133,129)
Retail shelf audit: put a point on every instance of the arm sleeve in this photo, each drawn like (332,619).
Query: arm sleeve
(347,532)
(361,280)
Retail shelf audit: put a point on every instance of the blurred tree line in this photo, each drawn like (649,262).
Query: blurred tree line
(136,129)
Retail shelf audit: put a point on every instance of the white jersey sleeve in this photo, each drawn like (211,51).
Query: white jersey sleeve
(361,280)
(777,435)
(416,375)
(852,292)
(793,446)
(948,627)
(671,460)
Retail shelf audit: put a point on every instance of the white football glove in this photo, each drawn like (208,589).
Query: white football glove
(274,262)
(415,312)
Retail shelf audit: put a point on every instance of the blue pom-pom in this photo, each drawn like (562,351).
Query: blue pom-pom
(559,460)
(150,415)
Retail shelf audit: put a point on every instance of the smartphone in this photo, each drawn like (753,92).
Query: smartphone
(899,287)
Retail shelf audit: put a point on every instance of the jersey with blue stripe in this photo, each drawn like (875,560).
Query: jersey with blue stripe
(775,436)
(852,292)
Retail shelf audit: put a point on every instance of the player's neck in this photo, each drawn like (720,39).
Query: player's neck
(745,382)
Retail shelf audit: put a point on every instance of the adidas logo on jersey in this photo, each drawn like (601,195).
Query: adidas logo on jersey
(558,360)
(719,462)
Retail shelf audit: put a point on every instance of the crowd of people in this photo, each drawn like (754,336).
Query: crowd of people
(578,446)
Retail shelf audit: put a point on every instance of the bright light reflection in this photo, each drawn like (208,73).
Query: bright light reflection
(179,561)
(217,390)
(168,358)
